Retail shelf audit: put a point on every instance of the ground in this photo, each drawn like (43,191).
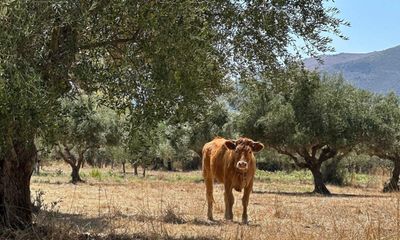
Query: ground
(172,205)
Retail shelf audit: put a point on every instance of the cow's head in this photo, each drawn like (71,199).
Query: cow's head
(244,149)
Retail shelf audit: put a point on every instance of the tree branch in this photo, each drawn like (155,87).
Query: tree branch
(292,156)
(81,152)
(314,149)
(306,155)
(303,152)
(376,151)
(65,158)
(327,153)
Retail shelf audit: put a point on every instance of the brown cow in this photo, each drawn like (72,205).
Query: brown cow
(232,163)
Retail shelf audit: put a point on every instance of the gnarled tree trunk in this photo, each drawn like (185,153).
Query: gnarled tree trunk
(169,164)
(75,174)
(74,162)
(393,184)
(123,168)
(135,168)
(16,171)
(312,159)
(319,185)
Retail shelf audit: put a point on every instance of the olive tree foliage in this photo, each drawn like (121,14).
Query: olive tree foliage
(143,143)
(384,141)
(116,136)
(311,120)
(178,137)
(148,145)
(158,58)
(166,152)
(207,125)
(188,138)
(77,129)
(85,131)
(176,142)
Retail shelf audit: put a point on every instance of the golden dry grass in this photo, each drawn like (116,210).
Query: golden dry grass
(172,206)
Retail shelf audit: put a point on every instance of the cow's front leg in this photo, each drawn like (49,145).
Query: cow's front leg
(229,200)
(245,201)
(210,198)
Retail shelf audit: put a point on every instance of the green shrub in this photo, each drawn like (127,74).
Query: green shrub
(275,164)
(335,172)
(95,173)
(272,162)
(192,163)
(366,164)
(343,172)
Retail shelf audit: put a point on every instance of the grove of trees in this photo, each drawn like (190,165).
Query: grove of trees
(136,81)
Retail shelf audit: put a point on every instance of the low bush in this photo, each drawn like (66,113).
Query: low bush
(335,172)
(96,173)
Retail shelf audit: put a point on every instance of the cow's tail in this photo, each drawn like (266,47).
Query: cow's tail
(207,174)
(205,160)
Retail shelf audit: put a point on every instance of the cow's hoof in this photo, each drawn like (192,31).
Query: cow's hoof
(245,221)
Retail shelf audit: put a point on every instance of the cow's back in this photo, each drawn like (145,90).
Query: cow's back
(215,155)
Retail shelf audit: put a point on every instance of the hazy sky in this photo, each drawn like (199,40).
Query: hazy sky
(375,25)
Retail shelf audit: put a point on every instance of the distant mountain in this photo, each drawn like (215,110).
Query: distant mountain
(376,71)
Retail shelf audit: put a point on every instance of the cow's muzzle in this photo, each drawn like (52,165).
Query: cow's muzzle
(242,165)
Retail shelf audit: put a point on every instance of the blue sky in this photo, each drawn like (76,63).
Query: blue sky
(375,25)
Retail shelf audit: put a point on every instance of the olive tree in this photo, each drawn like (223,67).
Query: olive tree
(143,146)
(77,130)
(384,140)
(313,120)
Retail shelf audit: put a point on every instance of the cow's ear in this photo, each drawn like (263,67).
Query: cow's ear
(256,146)
(230,144)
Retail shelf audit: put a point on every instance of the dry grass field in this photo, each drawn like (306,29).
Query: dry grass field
(171,205)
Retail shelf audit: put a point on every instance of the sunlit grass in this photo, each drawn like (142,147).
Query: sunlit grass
(282,176)
(171,205)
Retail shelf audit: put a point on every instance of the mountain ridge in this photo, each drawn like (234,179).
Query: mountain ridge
(377,71)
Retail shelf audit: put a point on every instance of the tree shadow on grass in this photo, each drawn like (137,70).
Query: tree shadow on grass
(57,225)
(79,220)
(221,222)
(311,194)
(201,222)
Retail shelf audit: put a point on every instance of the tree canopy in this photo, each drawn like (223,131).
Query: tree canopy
(384,141)
(311,120)
(83,125)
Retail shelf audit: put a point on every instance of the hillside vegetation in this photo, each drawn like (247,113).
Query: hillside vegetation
(376,71)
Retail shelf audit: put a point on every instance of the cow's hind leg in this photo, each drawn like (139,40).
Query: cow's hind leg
(210,198)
